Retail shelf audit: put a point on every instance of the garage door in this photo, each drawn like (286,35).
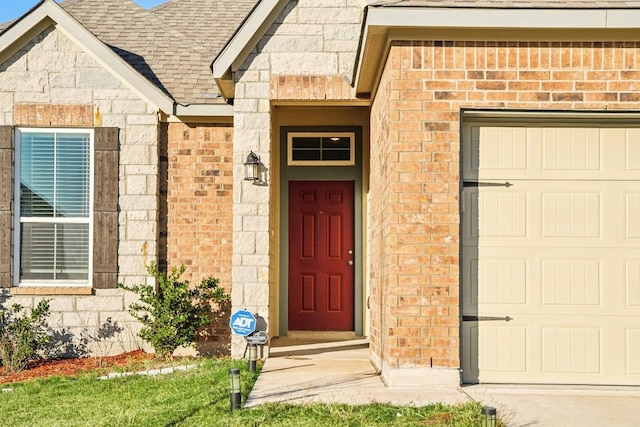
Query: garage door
(551,255)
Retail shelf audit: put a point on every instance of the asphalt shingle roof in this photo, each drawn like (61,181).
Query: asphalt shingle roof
(171,45)
(210,23)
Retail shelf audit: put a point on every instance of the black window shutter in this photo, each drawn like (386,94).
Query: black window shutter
(6,201)
(105,208)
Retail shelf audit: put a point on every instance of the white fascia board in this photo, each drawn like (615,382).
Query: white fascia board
(50,10)
(245,39)
(218,110)
(380,20)
(401,17)
(21,27)
(623,18)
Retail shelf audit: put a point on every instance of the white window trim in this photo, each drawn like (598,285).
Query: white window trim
(352,149)
(16,211)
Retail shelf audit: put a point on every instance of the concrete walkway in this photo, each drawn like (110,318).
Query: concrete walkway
(301,372)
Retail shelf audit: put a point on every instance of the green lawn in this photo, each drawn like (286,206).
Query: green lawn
(197,397)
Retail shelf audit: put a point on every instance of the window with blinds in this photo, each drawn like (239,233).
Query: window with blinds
(54,193)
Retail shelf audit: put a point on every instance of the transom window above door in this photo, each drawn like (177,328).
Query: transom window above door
(321,148)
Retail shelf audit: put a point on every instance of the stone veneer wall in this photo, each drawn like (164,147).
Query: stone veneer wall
(51,70)
(416,165)
(309,38)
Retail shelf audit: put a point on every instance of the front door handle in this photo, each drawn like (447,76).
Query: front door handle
(485,318)
(350,262)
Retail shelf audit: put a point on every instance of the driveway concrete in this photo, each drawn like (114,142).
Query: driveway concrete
(561,406)
(302,372)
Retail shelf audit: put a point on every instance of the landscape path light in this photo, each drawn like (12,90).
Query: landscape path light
(489,416)
(253,357)
(234,394)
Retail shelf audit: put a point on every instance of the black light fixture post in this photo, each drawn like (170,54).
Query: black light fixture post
(234,394)
(253,357)
(251,167)
(489,416)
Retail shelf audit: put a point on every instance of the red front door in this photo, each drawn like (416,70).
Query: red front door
(321,256)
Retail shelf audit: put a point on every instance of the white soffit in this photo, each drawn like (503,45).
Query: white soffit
(382,24)
(50,13)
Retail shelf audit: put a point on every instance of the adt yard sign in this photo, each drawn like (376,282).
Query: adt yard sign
(242,322)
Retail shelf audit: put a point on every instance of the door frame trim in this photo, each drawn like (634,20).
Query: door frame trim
(321,173)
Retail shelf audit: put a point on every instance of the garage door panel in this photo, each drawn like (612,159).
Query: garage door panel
(504,349)
(571,214)
(551,281)
(571,281)
(551,242)
(503,149)
(632,282)
(570,149)
(532,213)
(632,211)
(560,349)
(631,151)
(632,351)
(500,214)
(503,280)
(551,153)
(568,349)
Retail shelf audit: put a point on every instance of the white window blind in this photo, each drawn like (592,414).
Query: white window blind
(55,205)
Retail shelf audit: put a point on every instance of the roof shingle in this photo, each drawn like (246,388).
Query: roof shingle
(171,45)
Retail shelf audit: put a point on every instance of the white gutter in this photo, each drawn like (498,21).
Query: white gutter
(219,110)
(403,17)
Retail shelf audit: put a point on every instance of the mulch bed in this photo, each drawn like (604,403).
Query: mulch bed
(71,367)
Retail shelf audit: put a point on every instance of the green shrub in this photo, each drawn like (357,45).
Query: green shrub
(22,336)
(172,315)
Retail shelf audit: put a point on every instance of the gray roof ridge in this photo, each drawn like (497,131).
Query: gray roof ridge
(162,6)
(68,3)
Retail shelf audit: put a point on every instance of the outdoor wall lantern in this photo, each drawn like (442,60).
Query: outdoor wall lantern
(489,416)
(251,167)
(254,170)
(234,395)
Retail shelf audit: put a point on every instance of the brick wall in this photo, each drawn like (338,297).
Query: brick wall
(414,266)
(199,200)
(196,215)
